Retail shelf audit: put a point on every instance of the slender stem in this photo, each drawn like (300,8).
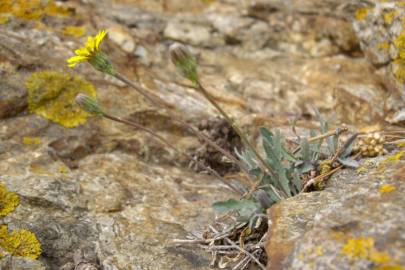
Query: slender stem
(165,142)
(156,101)
(264,165)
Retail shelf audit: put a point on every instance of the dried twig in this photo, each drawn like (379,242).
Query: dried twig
(241,249)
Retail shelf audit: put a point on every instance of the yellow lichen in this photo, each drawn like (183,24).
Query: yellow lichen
(20,243)
(390,16)
(397,157)
(75,31)
(363,248)
(358,248)
(29,10)
(384,46)
(390,267)
(63,169)
(318,250)
(361,13)
(52,95)
(8,201)
(3,19)
(32,9)
(399,62)
(387,188)
(52,9)
(27,140)
(6,6)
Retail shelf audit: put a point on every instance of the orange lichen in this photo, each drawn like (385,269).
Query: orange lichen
(361,13)
(8,201)
(52,95)
(387,188)
(20,243)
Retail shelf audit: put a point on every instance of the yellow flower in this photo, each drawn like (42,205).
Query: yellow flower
(89,51)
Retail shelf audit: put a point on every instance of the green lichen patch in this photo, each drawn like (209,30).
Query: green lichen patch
(52,95)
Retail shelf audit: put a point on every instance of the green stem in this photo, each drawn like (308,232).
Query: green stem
(264,165)
(165,142)
(156,101)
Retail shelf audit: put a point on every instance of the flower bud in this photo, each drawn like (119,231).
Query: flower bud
(101,63)
(185,62)
(89,104)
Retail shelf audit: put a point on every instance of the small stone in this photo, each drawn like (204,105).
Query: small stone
(122,38)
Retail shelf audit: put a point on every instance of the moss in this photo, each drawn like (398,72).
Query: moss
(52,95)
(361,14)
(75,31)
(387,188)
(20,243)
(8,201)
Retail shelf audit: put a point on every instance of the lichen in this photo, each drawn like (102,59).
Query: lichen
(394,158)
(363,248)
(20,243)
(384,45)
(74,31)
(52,95)
(3,19)
(387,188)
(6,6)
(27,140)
(390,16)
(399,62)
(361,13)
(32,9)
(8,201)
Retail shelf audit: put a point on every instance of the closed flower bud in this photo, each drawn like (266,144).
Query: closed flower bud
(185,61)
(89,104)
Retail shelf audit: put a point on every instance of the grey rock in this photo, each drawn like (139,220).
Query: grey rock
(352,224)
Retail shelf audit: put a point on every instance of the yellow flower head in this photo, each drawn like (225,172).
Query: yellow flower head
(89,51)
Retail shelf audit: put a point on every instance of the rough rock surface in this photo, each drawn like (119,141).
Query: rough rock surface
(314,230)
(105,187)
(381,31)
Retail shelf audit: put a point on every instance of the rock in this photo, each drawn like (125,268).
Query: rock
(381,33)
(188,32)
(11,263)
(353,224)
(112,189)
(13,100)
(122,38)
